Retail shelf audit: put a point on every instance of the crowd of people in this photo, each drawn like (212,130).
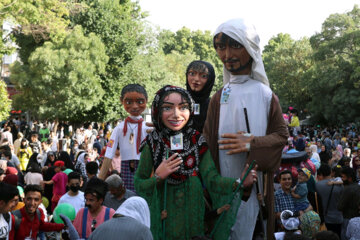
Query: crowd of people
(327,179)
(190,173)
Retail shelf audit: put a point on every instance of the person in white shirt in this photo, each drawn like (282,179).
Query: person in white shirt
(55,141)
(6,134)
(128,135)
(74,196)
(33,175)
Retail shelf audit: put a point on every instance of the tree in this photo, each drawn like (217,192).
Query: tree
(200,43)
(154,70)
(287,62)
(42,19)
(62,80)
(336,74)
(118,24)
(5,105)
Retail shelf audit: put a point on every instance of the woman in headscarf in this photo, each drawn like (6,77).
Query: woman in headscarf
(173,157)
(131,221)
(200,78)
(340,151)
(34,159)
(50,160)
(80,164)
(356,165)
(324,155)
(24,154)
(65,157)
(314,156)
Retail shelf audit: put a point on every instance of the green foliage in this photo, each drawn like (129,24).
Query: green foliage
(77,74)
(155,70)
(287,62)
(119,26)
(62,80)
(335,77)
(197,42)
(5,105)
(41,19)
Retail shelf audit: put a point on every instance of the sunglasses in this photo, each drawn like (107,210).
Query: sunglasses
(93,223)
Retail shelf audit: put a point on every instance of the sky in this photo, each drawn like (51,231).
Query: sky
(299,18)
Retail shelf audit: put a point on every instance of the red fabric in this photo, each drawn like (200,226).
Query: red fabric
(11,170)
(60,180)
(34,225)
(59,164)
(99,220)
(290,167)
(308,164)
(12,230)
(54,201)
(139,122)
(11,179)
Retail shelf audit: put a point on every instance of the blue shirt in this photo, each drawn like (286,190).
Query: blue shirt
(301,189)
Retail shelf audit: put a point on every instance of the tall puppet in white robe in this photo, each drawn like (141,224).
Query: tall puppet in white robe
(245,104)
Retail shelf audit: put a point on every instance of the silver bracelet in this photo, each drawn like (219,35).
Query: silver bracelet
(247,146)
(157,177)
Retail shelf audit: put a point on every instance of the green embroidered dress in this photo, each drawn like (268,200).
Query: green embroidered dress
(185,201)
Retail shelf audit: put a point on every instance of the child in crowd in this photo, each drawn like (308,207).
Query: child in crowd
(300,191)
(59,181)
(336,176)
(290,223)
(128,134)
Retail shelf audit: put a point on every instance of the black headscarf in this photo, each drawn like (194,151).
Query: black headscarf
(194,144)
(48,162)
(201,97)
(65,157)
(33,161)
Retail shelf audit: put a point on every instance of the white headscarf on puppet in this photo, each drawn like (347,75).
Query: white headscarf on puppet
(137,208)
(245,33)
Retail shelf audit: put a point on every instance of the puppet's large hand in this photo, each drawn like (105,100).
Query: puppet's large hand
(168,166)
(236,142)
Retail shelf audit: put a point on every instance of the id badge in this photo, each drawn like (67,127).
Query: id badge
(176,142)
(225,95)
(196,109)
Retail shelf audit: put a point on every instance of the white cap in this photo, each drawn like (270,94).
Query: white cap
(289,223)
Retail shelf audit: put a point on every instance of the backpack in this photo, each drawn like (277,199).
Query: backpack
(18,217)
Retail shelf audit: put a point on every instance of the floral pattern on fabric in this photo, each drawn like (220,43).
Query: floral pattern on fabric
(194,143)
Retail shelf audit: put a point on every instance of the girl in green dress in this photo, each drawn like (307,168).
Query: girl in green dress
(175,160)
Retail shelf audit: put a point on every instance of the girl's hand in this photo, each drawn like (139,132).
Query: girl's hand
(223,208)
(168,166)
(163,214)
(251,177)
(151,127)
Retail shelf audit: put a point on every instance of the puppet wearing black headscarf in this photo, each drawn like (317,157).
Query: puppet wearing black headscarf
(184,192)
(201,97)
